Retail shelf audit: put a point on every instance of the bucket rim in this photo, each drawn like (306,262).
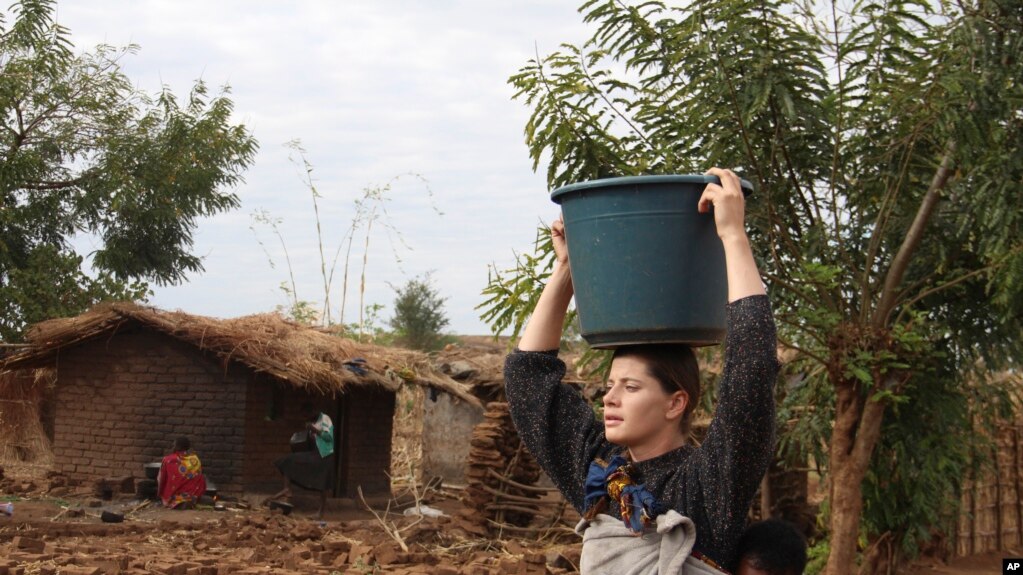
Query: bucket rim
(747,186)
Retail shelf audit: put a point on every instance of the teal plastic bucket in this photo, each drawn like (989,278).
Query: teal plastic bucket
(647,267)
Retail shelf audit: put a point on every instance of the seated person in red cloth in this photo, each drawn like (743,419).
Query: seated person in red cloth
(181,482)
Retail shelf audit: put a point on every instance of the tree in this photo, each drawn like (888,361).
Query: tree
(418,314)
(83,151)
(885,144)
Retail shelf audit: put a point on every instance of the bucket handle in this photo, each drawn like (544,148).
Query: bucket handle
(746,185)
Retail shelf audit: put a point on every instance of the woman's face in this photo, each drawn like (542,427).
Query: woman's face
(637,410)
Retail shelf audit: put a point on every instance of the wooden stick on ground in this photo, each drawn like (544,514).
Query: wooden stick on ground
(392,530)
(137,507)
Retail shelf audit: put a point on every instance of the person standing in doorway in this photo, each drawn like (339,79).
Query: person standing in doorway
(312,469)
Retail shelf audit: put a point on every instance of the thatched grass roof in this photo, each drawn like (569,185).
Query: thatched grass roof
(302,356)
(485,356)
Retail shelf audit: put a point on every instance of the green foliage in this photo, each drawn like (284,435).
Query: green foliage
(922,457)
(419,314)
(885,143)
(817,557)
(297,310)
(52,284)
(370,330)
(911,470)
(82,150)
(512,294)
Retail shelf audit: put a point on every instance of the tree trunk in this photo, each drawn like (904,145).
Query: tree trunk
(845,496)
(856,432)
(914,236)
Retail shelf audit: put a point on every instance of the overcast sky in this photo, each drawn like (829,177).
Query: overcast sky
(373,89)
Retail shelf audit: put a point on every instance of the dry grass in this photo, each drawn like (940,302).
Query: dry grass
(25,450)
(302,356)
(407,439)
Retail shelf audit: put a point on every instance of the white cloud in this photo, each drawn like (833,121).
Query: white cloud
(373,89)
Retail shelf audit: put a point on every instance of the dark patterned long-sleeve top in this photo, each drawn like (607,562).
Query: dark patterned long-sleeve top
(712,484)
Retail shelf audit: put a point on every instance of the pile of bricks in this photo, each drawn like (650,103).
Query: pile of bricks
(53,484)
(497,450)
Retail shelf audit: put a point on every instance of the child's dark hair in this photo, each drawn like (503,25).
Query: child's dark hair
(774,546)
(182,444)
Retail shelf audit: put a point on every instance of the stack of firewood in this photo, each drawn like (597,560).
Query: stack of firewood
(502,475)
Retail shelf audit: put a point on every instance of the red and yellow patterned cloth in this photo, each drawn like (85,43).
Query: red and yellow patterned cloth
(181,481)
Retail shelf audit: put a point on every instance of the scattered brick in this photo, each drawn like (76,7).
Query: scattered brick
(385,553)
(28,544)
(341,559)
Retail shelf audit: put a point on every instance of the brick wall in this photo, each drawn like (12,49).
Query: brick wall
(121,400)
(367,419)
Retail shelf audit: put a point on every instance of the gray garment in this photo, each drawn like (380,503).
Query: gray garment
(610,548)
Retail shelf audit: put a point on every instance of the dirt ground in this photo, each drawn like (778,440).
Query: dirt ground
(985,564)
(65,534)
(50,535)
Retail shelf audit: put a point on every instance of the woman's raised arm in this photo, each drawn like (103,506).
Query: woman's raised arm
(543,331)
(729,217)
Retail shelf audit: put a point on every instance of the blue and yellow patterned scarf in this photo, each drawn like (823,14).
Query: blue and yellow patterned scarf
(613,479)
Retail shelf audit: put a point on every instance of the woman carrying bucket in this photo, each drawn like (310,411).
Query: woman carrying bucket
(651,501)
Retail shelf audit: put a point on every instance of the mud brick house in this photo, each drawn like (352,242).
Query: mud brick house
(129,379)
